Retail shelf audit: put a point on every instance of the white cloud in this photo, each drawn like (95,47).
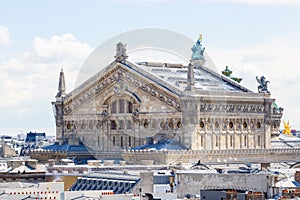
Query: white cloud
(28,83)
(4,35)
(277,60)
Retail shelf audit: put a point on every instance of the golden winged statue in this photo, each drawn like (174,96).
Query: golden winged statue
(287,128)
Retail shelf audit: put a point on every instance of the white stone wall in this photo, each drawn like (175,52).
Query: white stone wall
(200,120)
(192,183)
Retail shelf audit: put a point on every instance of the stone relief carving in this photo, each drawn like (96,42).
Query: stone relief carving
(114,75)
(231,108)
(231,124)
(119,88)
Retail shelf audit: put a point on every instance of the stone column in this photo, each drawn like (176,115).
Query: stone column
(190,122)
(58,106)
(267,122)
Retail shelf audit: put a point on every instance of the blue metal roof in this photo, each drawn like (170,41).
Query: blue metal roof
(33,137)
(163,144)
(297,185)
(66,147)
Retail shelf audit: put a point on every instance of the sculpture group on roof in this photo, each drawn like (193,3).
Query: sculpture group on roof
(198,50)
(228,73)
(263,84)
(287,128)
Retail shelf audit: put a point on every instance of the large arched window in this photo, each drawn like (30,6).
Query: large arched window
(121,106)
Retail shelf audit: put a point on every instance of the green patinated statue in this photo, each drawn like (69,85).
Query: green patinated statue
(263,84)
(198,50)
(228,73)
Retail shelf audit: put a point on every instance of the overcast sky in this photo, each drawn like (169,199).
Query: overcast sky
(38,38)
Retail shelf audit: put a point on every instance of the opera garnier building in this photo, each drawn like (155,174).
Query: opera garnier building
(164,113)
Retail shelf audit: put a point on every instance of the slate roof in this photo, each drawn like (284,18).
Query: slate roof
(34,137)
(119,183)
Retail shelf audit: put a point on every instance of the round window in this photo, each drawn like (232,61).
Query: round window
(98,125)
(83,125)
(216,125)
(171,125)
(230,124)
(245,125)
(258,125)
(179,124)
(146,124)
(68,126)
(201,124)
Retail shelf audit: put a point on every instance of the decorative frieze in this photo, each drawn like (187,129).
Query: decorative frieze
(230,124)
(113,76)
(231,108)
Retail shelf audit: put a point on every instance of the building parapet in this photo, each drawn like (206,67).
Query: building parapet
(213,156)
(218,152)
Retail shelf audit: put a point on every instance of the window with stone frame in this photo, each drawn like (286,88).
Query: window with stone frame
(245,140)
(121,106)
(121,125)
(113,125)
(114,107)
(217,141)
(130,107)
(128,124)
(122,141)
(129,141)
(114,140)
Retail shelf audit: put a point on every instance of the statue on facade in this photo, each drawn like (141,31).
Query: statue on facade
(287,128)
(198,50)
(263,84)
(121,52)
(228,73)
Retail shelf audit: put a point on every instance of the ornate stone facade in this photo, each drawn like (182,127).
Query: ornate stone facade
(124,104)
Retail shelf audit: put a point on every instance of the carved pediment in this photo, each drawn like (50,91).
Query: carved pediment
(117,79)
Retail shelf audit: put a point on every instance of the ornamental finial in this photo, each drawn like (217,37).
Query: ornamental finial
(61,84)
(121,52)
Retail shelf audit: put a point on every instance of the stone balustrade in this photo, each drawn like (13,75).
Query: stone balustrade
(214,156)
